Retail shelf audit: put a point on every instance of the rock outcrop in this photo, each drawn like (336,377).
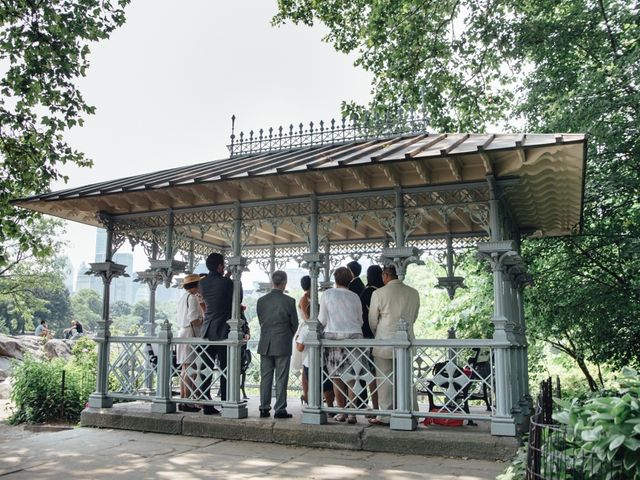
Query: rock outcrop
(14,349)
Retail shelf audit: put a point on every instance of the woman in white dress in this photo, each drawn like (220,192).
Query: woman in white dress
(190,317)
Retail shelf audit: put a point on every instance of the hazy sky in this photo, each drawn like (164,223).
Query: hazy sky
(166,84)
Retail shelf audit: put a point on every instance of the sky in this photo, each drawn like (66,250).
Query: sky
(166,84)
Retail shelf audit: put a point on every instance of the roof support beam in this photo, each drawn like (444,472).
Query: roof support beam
(455,166)
(332,180)
(391,172)
(423,170)
(362,178)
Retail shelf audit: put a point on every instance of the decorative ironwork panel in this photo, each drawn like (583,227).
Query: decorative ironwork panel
(365,127)
(451,377)
(201,374)
(353,370)
(277,210)
(145,222)
(130,371)
(204,217)
(357,204)
(452,197)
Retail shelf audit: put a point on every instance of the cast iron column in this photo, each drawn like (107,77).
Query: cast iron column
(234,407)
(313,413)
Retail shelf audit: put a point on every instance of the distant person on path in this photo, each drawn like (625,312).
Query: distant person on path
(190,319)
(217,292)
(43,331)
(388,305)
(278,323)
(341,316)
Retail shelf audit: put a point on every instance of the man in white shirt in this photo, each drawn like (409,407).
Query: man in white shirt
(388,305)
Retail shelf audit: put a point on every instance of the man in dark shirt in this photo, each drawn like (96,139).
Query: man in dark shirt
(356,285)
(217,292)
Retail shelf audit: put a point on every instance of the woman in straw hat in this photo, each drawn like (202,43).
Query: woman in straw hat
(190,317)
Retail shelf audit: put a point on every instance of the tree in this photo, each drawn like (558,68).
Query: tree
(30,281)
(86,306)
(567,65)
(44,48)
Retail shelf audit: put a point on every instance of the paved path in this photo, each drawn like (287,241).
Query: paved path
(86,453)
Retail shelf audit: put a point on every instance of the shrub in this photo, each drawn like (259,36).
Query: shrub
(601,436)
(37,391)
(606,428)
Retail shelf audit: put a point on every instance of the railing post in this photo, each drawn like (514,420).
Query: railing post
(312,413)
(233,407)
(401,418)
(162,402)
(106,270)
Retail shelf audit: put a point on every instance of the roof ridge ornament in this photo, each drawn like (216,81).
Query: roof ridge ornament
(365,126)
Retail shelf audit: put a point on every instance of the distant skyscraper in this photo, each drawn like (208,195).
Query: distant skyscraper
(83,281)
(101,244)
(122,287)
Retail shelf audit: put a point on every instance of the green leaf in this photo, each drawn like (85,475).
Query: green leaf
(616,441)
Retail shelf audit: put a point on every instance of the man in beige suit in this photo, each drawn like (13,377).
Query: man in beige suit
(388,305)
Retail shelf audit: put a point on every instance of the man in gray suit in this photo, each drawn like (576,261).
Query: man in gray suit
(278,323)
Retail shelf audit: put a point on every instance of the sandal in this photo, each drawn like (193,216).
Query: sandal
(352,419)
(340,417)
(375,421)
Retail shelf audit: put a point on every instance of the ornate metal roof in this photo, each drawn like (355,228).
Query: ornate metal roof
(547,197)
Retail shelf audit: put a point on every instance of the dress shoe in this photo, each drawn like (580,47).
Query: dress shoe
(264,414)
(210,410)
(283,414)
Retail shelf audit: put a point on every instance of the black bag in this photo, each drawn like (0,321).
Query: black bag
(245,359)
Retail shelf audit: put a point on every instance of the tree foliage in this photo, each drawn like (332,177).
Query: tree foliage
(568,66)
(32,283)
(45,48)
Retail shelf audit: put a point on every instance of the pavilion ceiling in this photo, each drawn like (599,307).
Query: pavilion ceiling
(443,169)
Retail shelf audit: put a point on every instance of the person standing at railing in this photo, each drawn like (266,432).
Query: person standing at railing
(278,323)
(341,316)
(388,305)
(190,318)
(374,282)
(217,292)
(304,311)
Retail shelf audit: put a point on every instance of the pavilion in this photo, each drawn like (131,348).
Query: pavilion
(323,193)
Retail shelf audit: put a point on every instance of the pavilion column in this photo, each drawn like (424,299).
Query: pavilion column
(163,270)
(152,282)
(234,407)
(106,270)
(526,402)
(401,257)
(312,413)
(498,252)
(514,351)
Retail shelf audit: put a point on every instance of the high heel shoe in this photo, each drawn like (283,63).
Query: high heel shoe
(303,400)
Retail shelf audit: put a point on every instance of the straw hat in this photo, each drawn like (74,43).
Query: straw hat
(191,278)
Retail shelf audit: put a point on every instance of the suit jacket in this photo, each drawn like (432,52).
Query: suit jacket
(388,304)
(278,320)
(217,292)
(356,286)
